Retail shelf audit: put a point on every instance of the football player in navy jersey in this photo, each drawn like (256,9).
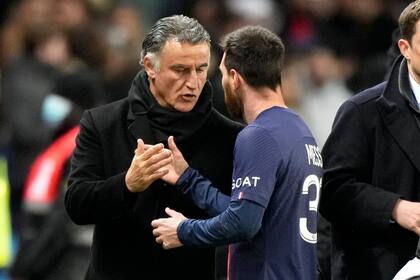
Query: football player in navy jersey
(270,218)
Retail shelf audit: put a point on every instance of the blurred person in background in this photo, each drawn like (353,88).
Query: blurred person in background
(114,182)
(26,82)
(370,193)
(35,53)
(51,246)
(26,16)
(29,76)
(358,32)
(124,31)
(323,91)
(71,14)
(347,33)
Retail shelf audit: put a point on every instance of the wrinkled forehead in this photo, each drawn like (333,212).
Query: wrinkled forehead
(175,43)
(175,50)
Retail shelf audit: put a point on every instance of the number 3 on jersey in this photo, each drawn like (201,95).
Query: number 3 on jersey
(310,181)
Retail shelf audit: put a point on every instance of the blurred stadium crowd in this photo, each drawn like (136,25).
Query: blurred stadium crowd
(59,57)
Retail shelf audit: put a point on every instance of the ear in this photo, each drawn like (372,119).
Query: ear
(149,67)
(235,78)
(405,48)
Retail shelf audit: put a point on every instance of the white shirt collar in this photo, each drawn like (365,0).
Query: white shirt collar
(415,87)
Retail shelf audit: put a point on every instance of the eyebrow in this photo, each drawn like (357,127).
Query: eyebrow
(203,65)
(188,66)
(179,66)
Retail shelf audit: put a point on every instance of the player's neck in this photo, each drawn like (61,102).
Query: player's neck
(259,100)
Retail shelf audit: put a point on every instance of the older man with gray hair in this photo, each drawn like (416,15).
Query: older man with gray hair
(116,170)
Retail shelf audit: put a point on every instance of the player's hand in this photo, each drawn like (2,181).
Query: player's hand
(149,164)
(407,215)
(178,164)
(165,229)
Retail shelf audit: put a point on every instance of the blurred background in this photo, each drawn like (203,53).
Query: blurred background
(59,57)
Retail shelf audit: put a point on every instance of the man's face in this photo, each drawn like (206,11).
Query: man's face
(411,50)
(232,99)
(181,76)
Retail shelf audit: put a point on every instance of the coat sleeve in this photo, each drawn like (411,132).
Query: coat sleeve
(348,198)
(91,197)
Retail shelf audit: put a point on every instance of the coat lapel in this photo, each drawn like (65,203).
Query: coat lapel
(399,118)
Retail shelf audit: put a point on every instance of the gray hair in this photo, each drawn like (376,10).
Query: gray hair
(178,27)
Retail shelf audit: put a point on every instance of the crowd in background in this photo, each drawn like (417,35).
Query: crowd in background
(59,57)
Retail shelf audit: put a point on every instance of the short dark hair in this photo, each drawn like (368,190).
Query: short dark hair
(257,54)
(181,28)
(408,19)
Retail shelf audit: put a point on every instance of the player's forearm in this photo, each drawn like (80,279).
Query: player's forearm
(240,222)
(204,194)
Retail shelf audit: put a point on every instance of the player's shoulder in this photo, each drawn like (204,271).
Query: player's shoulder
(254,136)
(253,131)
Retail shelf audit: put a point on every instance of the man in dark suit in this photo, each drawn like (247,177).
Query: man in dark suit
(371,189)
(115,179)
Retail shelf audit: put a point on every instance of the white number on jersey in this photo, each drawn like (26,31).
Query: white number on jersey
(310,181)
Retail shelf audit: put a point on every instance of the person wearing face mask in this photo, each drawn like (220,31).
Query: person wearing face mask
(51,246)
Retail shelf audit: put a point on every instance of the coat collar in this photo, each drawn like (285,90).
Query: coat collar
(138,124)
(398,112)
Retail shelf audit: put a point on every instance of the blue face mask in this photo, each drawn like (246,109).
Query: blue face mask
(55,109)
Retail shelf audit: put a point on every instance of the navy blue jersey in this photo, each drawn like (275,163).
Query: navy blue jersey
(277,165)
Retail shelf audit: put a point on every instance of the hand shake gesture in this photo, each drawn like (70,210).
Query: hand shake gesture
(149,164)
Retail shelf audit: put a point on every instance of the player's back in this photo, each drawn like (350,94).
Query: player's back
(280,159)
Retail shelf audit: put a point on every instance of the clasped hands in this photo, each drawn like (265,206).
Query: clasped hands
(153,162)
(150,163)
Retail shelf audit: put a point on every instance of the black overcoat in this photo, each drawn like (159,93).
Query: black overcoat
(123,245)
(371,159)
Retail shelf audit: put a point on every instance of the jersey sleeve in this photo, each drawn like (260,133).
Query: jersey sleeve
(239,222)
(202,191)
(257,163)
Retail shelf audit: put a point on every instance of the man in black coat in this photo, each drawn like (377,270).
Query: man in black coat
(371,188)
(119,159)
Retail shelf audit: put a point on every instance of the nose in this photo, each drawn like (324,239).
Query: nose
(192,80)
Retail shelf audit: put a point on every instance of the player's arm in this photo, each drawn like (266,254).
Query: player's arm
(191,183)
(255,157)
(241,221)
(202,192)
(256,154)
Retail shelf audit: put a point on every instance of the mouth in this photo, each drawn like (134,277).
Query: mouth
(189,97)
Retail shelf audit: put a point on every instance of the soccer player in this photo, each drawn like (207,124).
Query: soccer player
(270,218)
